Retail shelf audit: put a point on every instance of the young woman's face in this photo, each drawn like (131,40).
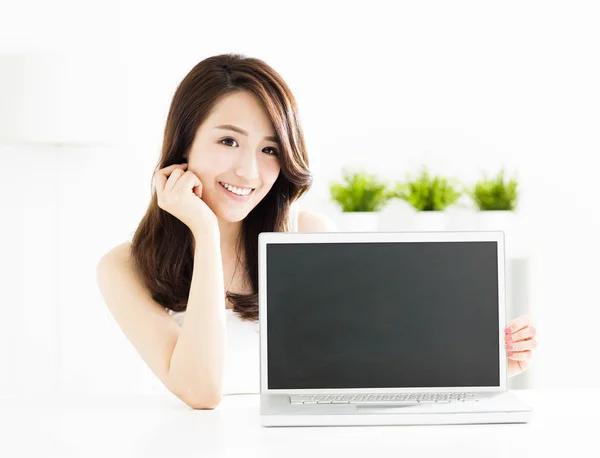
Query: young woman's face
(222,155)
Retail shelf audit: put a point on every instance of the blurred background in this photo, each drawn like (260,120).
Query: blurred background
(464,88)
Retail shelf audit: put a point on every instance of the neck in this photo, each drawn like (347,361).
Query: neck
(229,233)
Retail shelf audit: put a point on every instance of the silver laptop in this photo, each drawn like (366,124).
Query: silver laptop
(383,328)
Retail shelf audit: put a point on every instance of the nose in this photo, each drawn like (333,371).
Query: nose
(247,166)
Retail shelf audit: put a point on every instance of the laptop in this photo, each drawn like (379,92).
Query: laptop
(383,328)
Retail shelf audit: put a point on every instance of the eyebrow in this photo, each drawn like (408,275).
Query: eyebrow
(242,131)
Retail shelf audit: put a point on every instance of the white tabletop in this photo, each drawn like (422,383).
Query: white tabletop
(564,421)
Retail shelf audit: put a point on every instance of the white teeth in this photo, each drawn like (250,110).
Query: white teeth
(238,191)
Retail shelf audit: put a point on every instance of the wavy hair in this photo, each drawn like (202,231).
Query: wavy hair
(163,246)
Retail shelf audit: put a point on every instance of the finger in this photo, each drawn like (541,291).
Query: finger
(529,344)
(170,168)
(160,176)
(526,333)
(188,181)
(520,355)
(517,324)
(173,178)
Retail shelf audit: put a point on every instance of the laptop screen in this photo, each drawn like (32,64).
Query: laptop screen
(382,315)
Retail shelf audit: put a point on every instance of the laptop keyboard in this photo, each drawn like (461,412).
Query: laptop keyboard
(387,398)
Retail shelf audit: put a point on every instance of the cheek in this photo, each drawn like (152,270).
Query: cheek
(270,171)
(210,166)
(218,161)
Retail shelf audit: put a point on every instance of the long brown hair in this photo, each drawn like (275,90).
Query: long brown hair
(162,246)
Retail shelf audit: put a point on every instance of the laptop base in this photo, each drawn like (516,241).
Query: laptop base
(505,407)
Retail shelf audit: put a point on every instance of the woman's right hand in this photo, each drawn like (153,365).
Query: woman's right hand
(179,193)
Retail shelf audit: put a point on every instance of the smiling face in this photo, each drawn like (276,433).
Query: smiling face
(235,145)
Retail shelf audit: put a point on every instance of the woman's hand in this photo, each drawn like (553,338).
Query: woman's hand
(180,194)
(519,336)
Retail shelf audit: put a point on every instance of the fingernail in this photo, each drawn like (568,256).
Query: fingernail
(508,338)
(510,353)
(507,329)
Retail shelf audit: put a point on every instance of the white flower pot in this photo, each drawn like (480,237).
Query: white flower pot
(359,222)
(505,221)
(396,216)
(461,219)
(429,221)
(496,220)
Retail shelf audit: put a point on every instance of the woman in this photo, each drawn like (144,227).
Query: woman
(233,164)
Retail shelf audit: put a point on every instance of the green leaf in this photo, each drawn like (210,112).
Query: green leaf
(427,193)
(495,194)
(360,192)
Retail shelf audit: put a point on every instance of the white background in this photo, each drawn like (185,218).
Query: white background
(463,86)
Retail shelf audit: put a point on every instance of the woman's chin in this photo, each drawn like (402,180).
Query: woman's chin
(232,211)
(230,215)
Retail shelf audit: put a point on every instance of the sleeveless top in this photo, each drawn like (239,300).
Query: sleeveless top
(241,373)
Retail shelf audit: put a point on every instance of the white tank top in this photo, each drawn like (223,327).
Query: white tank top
(242,358)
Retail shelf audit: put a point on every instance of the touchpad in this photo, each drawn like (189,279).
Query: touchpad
(390,408)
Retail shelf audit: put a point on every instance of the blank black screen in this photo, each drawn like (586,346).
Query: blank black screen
(382,315)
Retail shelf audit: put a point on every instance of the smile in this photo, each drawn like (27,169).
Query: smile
(240,195)
(238,191)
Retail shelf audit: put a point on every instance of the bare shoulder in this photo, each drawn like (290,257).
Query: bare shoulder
(121,251)
(132,304)
(124,291)
(116,267)
(309,221)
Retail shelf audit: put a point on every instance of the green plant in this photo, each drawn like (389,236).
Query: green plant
(495,194)
(360,192)
(427,193)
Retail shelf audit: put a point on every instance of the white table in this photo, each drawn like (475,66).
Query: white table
(161,425)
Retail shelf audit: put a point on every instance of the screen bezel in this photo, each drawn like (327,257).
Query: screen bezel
(267,238)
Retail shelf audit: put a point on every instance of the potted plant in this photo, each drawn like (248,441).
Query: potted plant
(429,196)
(360,196)
(496,202)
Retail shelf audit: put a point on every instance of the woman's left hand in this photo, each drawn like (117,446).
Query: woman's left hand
(519,337)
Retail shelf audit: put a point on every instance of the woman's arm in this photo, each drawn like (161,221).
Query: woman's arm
(196,365)
(188,359)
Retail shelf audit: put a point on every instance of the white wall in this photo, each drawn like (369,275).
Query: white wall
(463,86)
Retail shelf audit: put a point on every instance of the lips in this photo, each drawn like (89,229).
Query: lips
(234,196)
(237,187)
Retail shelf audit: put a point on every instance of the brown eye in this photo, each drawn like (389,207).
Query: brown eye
(225,139)
(275,152)
(229,139)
